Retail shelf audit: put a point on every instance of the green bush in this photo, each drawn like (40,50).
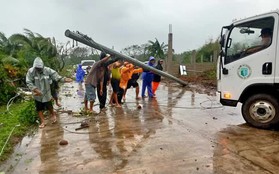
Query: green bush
(28,113)
(11,120)
(209,74)
(7,89)
(67,71)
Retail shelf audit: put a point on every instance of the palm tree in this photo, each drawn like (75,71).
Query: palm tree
(7,46)
(156,49)
(36,45)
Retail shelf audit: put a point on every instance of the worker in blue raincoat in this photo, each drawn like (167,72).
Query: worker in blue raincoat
(80,74)
(147,78)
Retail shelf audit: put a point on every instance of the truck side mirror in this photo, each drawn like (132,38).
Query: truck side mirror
(229,42)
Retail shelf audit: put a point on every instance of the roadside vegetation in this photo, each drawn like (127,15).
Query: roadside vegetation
(17,52)
(15,122)
(206,79)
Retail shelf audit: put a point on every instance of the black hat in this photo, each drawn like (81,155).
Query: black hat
(266,31)
(102,55)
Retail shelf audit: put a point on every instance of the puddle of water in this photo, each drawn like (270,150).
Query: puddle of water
(19,151)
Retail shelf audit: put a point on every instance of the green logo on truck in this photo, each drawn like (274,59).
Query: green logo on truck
(244,71)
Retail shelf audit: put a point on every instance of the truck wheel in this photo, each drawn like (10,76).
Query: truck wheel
(261,111)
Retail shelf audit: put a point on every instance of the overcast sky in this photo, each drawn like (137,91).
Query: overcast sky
(122,23)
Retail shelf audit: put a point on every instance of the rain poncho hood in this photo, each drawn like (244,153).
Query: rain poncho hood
(38,63)
(149,62)
(151,58)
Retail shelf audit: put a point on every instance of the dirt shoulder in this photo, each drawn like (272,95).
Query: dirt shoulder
(200,80)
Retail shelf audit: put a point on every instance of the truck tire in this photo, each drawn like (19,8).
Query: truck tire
(261,111)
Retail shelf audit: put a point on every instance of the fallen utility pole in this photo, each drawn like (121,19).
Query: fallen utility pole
(90,42)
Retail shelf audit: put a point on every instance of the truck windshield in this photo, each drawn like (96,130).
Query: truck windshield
(245,39)
(87,63)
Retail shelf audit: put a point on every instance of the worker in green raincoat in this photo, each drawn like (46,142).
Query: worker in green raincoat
(38,79)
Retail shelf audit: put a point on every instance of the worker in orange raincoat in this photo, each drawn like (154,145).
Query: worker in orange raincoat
(126,74)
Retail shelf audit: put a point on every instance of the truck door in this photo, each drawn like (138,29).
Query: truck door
(247,60)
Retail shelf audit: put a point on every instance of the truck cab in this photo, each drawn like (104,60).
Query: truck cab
(248,68)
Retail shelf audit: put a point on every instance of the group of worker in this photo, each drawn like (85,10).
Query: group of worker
(121,75)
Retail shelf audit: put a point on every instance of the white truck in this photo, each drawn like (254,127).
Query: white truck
(248,68)
(86,65)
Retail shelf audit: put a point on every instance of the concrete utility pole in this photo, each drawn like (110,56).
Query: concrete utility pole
(170,52)
(193,60)
(90,42)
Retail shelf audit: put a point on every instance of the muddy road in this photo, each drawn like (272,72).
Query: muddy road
(183,130)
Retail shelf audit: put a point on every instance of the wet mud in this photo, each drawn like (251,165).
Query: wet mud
(182,130)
